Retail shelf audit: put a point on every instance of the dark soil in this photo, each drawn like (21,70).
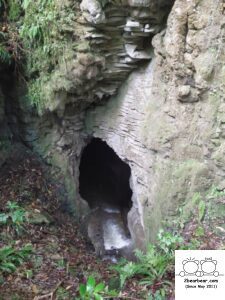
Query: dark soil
(62,258)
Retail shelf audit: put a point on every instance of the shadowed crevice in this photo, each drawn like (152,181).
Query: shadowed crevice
(104,177)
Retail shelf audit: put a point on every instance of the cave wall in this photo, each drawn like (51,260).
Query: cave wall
(165,119)
(110,41)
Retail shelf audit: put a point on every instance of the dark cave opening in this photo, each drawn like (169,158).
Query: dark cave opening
(104,177)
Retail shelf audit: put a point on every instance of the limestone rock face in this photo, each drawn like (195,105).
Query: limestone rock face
(121,32)
(163,111)
(114,37)
(166,119)
(92,11)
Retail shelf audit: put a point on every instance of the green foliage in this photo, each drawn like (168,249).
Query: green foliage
(199,232)
(45,33)
(14,9)
(28,274)
(169,242)
(25,3)
(159,295)
(201,210)
(93,291)
(15,216)
(188,210)
(5,56)
(38,29)
(214,192)
(127,270)
(10,47)
(35,94)
(11,258)
(153,265)
(196,198)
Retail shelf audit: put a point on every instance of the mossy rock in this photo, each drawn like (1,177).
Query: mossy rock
(38,218)
(179,190)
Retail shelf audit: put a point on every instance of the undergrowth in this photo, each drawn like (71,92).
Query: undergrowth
(46,32)
(11,50)
(93,290)
(153,265)
(14,217)
(35,38)
(11,258)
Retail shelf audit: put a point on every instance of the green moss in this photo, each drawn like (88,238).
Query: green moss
(180,187)
(189,209)
(216,210)
(15,10)
(48,41)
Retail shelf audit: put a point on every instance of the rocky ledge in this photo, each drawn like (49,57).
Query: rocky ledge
(121,33)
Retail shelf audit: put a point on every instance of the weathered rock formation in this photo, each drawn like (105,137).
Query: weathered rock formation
(121,32)
(165,119)
(113,38)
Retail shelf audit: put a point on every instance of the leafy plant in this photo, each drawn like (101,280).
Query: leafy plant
(93,291)
(45,30)
(62,294)
(127,270)
(199,231)
(153,265)
(169,242)
(28,274)
(201,210)
(11,258)
(15,217)
(25,4)
(158,295)
(14,9)
(5,56)
(214,192)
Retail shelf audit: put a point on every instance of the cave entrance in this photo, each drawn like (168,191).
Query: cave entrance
(104,184)
(104,177)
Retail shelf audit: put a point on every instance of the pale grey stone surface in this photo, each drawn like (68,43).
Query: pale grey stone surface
(166,120)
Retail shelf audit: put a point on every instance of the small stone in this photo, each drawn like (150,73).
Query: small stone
(132,23)
(184,90)
(56,257)
(221,186)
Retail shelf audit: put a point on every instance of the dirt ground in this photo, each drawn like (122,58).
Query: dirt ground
(62,258)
